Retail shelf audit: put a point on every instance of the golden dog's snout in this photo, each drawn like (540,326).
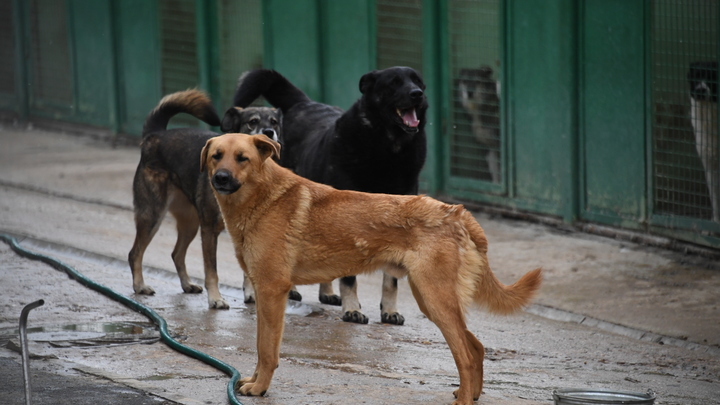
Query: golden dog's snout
(224,182)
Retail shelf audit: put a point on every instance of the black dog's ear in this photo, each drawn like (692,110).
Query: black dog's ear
(231,120)
(367,81)
(266,146)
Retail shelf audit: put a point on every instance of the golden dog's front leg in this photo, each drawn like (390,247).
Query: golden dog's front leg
(271,302)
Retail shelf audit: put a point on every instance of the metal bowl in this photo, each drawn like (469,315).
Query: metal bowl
(573,396)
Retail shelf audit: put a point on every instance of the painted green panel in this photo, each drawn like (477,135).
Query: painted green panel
(542,101)
(138,61)
(8,51)
(50,65)
(400,33)
(613,108)
(13,85)
(294,43)
(346,50)
(93,61)
(240,45)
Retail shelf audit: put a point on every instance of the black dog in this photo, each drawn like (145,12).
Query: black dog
(168,178)
(377,146)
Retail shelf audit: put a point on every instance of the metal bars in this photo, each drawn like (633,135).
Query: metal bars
(684,51)
(474,40)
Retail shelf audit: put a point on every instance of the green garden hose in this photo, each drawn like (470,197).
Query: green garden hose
(136,306)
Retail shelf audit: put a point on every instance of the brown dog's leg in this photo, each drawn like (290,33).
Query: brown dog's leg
(445,311)
(187,227)
(143,236)
(149,211)
(271,298)
(209,239)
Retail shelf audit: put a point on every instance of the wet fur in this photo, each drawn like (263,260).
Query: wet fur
(367,148)
(289,230)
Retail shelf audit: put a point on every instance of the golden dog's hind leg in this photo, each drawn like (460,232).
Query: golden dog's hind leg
(271,299)
(478,352)
(447,314)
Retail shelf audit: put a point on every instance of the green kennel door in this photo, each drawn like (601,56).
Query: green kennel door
(612,112)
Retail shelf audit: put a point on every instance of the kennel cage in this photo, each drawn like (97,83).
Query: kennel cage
(399,33)
(474,130)
(684,131)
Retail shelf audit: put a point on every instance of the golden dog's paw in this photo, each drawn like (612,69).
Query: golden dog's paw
(455,394)
(192,289)
(144,290)
(252,390)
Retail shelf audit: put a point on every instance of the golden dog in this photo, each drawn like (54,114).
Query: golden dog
(289,230)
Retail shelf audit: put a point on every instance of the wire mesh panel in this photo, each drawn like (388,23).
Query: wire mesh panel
(178,49)
(241,43)
(399,33)
(7,49)
(178,39)
(684,51)
(474,130)
(51,73)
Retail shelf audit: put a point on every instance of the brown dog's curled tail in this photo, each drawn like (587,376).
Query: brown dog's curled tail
(193,101)
(506,299)
(489,291)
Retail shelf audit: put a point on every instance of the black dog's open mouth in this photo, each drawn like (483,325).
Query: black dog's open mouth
(409,119)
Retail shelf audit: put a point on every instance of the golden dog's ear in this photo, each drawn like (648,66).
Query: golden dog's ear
(266,146)
(203,154)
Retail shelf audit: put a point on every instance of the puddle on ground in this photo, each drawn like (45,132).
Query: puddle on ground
(92,334)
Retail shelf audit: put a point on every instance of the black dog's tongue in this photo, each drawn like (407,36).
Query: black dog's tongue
(409,117)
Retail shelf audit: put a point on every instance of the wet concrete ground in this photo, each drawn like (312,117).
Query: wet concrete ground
(630,317)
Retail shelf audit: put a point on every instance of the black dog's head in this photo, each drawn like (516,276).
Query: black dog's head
(397,96)
(254,121)
(703,80)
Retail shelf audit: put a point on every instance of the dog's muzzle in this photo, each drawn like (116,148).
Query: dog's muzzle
(224,183)
(270,133)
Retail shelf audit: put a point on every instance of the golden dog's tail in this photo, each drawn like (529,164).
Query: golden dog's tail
(192,101)
(490,292)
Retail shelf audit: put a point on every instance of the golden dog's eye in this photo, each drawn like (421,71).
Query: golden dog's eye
(217,156)
(240,158)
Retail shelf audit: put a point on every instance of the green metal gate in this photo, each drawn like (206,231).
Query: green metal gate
(581,110)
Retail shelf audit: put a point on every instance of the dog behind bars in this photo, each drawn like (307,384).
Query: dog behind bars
(703,80)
